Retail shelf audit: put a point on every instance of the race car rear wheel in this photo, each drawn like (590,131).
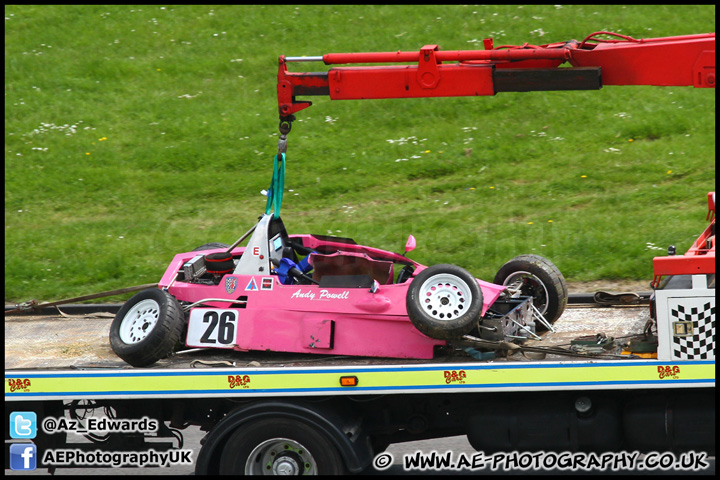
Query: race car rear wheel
(444,302)
(537,277)
(147,328)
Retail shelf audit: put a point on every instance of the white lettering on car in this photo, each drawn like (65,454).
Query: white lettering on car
(323,295)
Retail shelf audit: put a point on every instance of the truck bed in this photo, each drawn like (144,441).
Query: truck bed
(80,342)
(51,357)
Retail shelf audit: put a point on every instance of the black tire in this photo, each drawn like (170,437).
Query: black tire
(539,278)
(268,446)
(210,246)
(444,302)
(147,328)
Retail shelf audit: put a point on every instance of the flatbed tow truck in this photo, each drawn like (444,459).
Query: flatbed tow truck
(638,377)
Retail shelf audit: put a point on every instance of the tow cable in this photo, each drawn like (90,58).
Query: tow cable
(277,184)
(509,348)
(33,305)
(275,192)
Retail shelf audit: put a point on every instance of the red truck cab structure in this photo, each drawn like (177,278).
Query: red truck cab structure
(683,304)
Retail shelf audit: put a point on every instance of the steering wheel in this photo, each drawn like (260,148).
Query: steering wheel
(405,274)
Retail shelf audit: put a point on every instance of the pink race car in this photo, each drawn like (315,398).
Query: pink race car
(329,295)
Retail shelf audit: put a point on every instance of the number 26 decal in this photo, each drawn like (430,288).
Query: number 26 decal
(224,324)
(212,328)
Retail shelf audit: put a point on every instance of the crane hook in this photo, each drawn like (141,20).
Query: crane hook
(285,127)
(286,124)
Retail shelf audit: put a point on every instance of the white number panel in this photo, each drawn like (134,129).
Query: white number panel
(212,327)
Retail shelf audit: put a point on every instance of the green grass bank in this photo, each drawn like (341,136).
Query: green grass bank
(136,132)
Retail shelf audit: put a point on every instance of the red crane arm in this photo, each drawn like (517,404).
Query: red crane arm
(670,61)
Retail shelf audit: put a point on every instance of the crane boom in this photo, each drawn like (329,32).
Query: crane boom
(687,60)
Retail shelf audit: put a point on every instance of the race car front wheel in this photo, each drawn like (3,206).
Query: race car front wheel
(147,328)
(537,277)
(444,302)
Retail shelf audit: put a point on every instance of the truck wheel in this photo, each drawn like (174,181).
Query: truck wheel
(147,328)
(210,246)
(537,277)
(279,447)
(444,301)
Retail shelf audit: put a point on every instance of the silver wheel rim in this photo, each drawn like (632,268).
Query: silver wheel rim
(445,297)
(280,456)
(516,280)
(139,321)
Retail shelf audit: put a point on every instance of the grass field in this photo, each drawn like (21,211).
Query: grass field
(136,132)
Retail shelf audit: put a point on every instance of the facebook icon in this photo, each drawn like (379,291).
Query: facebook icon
(23,456)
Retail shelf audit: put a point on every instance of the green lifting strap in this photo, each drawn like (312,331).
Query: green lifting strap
(277,185)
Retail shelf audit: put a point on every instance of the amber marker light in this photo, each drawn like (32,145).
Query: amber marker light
(348,381)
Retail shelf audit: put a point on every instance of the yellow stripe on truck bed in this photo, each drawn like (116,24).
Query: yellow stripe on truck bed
(294,381)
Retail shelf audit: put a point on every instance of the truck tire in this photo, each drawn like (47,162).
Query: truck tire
(147,328)
(210,246)
(444,302)
(279,446)
(537,277)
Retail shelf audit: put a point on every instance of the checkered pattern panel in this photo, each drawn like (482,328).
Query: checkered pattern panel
(701,344)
